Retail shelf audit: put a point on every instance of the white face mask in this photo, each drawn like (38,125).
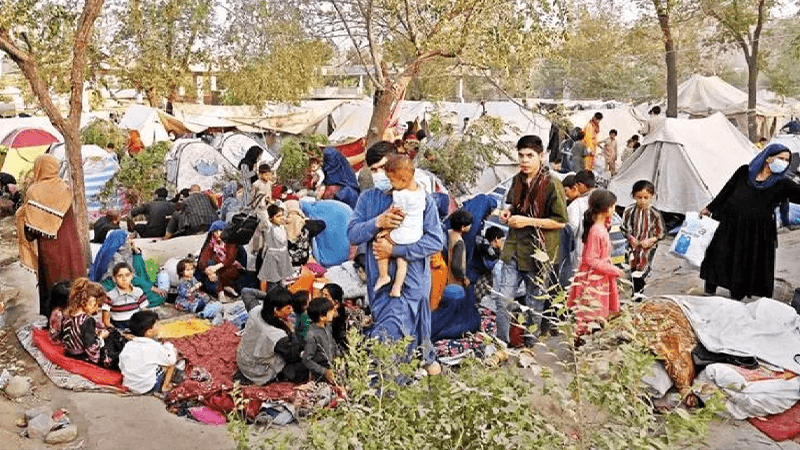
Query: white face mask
(381,181)
(778,165)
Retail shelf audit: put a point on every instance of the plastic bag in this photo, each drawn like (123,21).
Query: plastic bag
(694,237)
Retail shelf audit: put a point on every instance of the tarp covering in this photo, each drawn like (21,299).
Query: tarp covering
(703,96)
(274,117)
(688,160)
(99,166)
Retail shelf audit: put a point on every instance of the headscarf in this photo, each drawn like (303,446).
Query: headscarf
(230,203)
(251,157)
(337,170)
(758,163)
(105,255)
(217,225)
(46,202)
(295,219)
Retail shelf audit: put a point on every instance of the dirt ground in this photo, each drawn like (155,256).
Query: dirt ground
(111,421)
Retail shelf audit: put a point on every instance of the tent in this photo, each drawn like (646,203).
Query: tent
(24,145)
(99,166)
(626,120)
(688,161)
(192,161)
(234,145)
(146,121)
(701,96)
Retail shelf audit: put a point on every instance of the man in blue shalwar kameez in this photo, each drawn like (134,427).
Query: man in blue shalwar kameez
(408,315)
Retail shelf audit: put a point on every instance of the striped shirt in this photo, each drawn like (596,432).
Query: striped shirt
(123,305)
(642,224)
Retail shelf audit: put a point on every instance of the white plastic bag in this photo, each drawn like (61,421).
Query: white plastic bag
(694,237)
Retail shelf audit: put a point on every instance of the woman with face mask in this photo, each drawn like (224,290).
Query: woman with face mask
(741,257)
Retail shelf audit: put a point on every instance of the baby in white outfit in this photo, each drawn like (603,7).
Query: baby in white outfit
(409,197)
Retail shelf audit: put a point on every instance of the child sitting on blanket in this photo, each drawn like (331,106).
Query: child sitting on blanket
(147,366)
(408,197)
(335,293)
(320,347)
(59,300)
(190,298)
(300,306)
(124,300)
(82,336)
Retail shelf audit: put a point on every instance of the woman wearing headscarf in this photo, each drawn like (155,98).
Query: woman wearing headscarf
(232,201)
(248,165)
(220,265)
(117,248)
(340,181)
(46,233)
(741,256)
(299,232)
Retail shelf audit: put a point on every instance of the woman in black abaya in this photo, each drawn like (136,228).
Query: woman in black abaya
(741,256)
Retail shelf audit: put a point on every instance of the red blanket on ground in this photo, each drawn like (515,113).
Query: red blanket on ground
(211,358)
(780,427)
(55,353)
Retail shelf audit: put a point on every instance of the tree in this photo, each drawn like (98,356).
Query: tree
(741,22)
(158,41)
(277,60)
(492,35)
(664,9)
(28,29)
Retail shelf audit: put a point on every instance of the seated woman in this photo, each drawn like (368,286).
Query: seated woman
(299,232)
(221,267)
(269,350)
(117,248)
(340,181)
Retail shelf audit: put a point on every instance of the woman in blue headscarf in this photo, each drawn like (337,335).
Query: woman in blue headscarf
(340,181)
(119,248)
(741,256)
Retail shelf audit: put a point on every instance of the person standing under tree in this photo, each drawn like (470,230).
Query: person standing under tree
(590,133)
(537,212)
(409,314)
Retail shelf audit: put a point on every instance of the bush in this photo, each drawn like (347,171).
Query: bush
(295,153)
(101,133)
(139,176)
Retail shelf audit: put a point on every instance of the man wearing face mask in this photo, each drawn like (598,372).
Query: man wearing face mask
(741,256)
(409,314)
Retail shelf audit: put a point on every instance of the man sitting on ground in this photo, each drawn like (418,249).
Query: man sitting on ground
(105,224)
(195,217)
(158,213)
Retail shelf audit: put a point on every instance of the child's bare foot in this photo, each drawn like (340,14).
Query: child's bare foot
(382,282)
(396,292)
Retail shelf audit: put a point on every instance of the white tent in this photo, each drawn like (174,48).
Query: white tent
(701,96)
(147,122)
(192,161)
(688,161)
(99,166)
(234,145)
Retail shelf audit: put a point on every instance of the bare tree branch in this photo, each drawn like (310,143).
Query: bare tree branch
(356,44)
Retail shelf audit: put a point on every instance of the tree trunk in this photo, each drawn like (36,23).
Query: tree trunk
(152,97)
(671,61)
(752,92)
(385,101)
(72,143)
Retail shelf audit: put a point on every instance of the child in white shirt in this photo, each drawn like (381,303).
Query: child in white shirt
(147,366)
(408,197)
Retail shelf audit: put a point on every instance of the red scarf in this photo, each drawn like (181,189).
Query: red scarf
(530,200)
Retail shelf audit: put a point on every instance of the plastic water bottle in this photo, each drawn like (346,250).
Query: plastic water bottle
(162,281)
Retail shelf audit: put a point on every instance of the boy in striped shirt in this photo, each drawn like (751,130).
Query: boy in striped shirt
(124,300)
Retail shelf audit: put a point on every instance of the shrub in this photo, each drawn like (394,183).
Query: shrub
(295,153)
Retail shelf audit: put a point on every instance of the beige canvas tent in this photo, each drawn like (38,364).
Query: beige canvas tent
(688,161)
(701,96)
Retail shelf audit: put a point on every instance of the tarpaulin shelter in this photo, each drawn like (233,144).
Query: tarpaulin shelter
(24,146)
(688,160)
(99,166)
(147,122)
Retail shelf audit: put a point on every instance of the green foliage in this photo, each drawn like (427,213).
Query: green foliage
(462,158)
(139,176)
(295,153)
(103,132)
(238,428)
